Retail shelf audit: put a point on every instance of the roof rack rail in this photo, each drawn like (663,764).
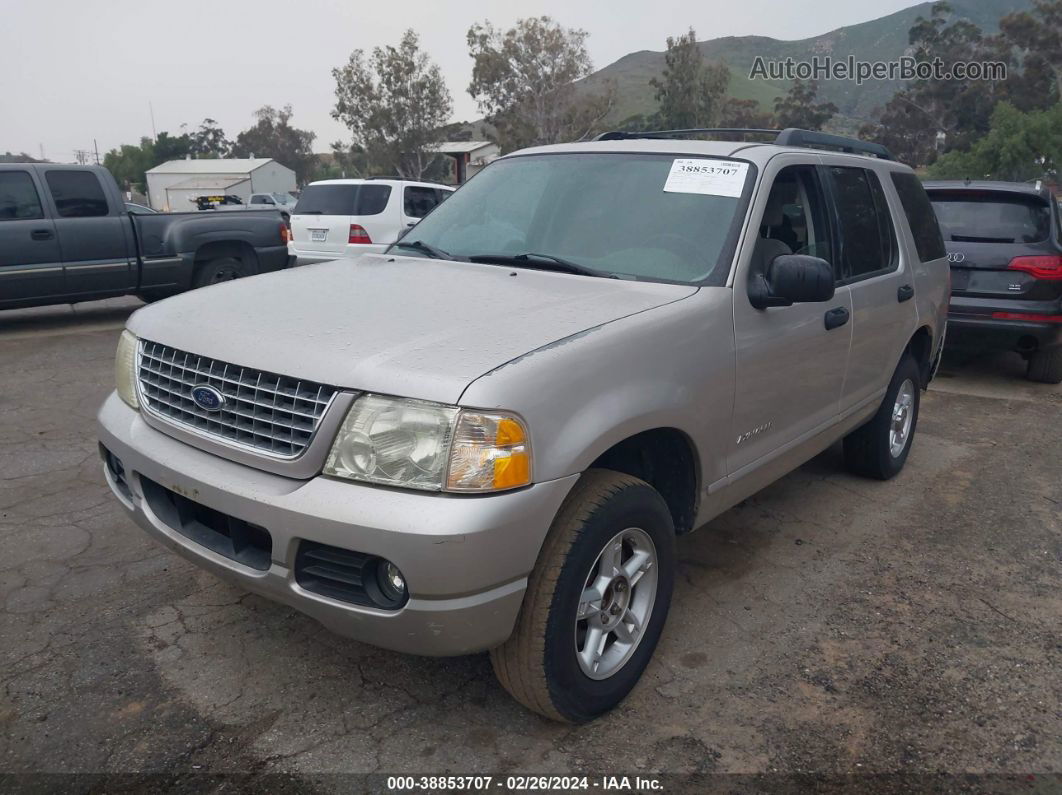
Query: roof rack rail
(791,136)
(813,139)
(618,135)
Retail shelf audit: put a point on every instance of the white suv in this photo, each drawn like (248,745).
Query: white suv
(344,217)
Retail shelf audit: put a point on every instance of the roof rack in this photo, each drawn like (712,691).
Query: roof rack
(791,136)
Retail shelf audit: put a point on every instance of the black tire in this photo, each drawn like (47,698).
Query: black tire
(221,269)
(867,449)
(538,664)
(1045,366)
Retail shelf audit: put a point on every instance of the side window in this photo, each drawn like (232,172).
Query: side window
(868,243)
(920,216)
(418,202)
(794,219)
(442,195)
(18,197)
(262,199)
(77,194)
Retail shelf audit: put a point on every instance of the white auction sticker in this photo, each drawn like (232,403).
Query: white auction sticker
(711,177)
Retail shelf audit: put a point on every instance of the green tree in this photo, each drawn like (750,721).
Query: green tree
(798,108)
(1037,36)
(523,80)
(744,113)
(273,136)
(129,162)
(1019,146)
(209,140)
(929,114)
(395,104)
(690,93)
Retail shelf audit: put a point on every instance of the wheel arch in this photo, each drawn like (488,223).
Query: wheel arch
(920,346)
(665,458)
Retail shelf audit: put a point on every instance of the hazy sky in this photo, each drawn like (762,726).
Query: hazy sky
(72,71)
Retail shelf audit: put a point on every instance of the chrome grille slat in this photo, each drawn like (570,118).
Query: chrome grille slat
(272,414)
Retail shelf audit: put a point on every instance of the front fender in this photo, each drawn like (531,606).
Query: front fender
(671,367)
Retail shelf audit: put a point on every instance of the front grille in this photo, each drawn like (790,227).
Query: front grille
(234,538)
(273,414)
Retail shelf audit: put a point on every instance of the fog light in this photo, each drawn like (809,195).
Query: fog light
(394,577)
(390,591)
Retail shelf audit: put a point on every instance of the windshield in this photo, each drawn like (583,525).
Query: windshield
(992,217)
(608,212)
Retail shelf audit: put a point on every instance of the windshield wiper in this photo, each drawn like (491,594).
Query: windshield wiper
(420,245)
(546,262)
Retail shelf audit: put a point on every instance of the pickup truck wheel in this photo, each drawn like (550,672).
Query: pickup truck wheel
(596,601)
(222,269)
(1045,366)
(879,448)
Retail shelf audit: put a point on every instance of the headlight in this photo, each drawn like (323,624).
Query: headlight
(421,445)
(125,368)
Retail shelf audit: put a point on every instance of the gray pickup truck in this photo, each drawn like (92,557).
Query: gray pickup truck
(489,436)
(66,236)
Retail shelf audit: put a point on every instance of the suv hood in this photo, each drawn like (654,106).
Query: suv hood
(402,326)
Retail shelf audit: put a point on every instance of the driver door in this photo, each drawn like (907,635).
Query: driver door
(790,361)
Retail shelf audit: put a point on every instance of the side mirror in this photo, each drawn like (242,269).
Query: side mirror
(792,279)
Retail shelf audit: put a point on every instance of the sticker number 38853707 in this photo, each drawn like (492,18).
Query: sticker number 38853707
(711,177)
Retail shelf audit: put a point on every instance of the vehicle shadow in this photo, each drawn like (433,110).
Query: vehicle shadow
(68,318)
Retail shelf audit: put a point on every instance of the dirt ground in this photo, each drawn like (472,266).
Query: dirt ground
(829,627)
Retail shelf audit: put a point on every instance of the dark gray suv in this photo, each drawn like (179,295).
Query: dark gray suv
(1005,250)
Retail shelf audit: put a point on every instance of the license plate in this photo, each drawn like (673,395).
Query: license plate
(318,235)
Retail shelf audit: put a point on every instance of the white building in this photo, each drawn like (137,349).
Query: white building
(173,186)
(470,157)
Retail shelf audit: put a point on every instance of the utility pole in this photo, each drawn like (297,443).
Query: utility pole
(154,135)
(96,148)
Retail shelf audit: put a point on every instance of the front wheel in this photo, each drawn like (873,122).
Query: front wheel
(596,601)
(879,448)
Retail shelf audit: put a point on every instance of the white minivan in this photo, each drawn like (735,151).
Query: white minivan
(343,217)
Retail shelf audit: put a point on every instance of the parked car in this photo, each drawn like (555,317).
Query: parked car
(284,202)
(488,436)
(1004,244)
(66,236)
(345,217)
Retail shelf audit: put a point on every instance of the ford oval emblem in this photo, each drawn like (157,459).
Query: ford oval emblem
(208,398)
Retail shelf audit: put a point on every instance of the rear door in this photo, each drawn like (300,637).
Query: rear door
(322,219)
(418,201)
(988,235)
(30,264)
(881,280)
(93,234)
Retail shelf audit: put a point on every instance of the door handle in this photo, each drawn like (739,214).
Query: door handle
(836,317)
(41,234)
(905,293)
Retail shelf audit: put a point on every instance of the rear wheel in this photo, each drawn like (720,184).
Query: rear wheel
(1045,366)
(879,448)
(222,269)
(596,602)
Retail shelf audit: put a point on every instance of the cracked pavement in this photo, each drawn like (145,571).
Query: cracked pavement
(827,626)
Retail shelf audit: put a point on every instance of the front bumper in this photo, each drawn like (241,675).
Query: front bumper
(465,558)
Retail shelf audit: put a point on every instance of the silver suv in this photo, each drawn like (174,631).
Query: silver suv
(488,437)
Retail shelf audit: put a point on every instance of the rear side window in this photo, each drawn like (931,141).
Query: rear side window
(418,202)
(343,200)
(77,194)
(18,197)
(971,217)
(868,242)
(920,216)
